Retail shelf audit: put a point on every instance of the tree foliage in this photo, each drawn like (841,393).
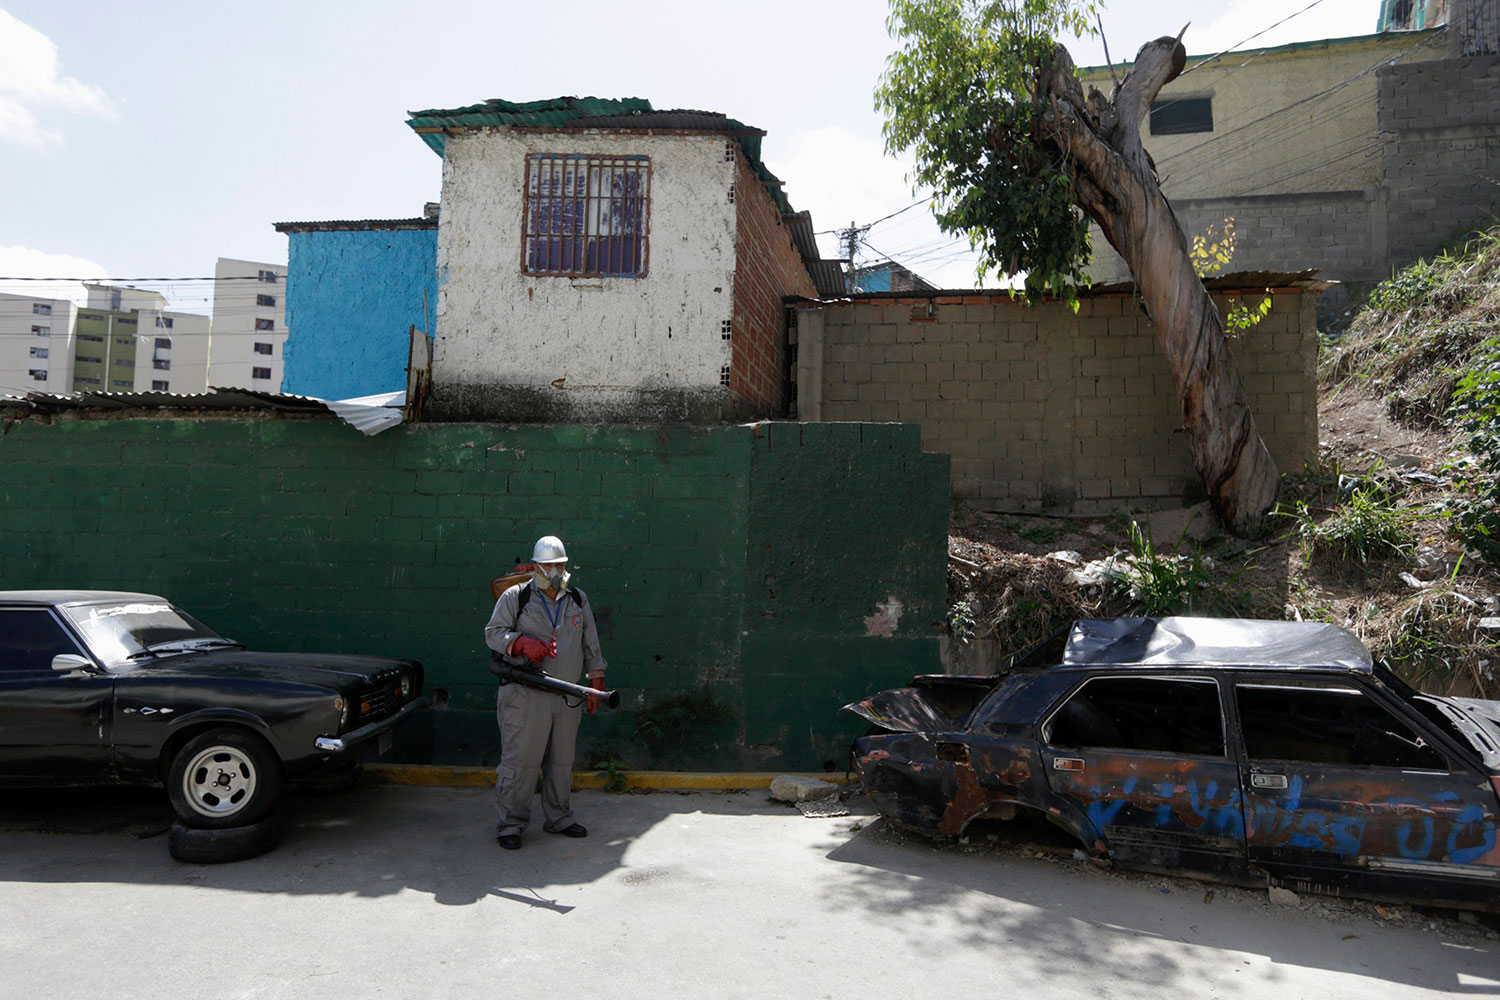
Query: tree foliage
(961,92)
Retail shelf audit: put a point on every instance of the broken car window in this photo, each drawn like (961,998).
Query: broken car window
(1163,715)
(1328,725)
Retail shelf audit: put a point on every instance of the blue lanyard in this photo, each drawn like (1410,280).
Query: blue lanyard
(555,621)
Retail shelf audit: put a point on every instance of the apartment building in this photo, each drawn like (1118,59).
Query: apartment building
(126,340)
(249,325)
(35,344)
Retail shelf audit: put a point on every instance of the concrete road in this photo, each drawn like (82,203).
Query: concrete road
(401,892)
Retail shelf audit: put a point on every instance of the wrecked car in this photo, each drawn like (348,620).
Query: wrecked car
(1251,751)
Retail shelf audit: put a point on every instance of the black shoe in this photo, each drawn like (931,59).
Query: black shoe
(509,841)
(575,830)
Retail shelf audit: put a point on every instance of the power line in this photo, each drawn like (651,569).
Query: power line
(1252,38)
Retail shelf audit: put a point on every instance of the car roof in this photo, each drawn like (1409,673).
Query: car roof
(63,597)
(1215,642)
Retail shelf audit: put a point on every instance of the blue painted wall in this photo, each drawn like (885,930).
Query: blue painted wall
(350,297)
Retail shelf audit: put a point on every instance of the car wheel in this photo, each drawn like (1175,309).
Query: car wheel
(223,778)
(197,846)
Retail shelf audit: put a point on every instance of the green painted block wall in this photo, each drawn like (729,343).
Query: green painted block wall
(731,569)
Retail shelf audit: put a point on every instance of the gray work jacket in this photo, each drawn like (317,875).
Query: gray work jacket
(577,637)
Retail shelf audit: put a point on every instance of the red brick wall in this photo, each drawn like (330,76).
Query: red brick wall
(766,267)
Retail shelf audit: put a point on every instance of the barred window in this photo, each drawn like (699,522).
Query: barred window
(260,373)
(159,385)
(586,216)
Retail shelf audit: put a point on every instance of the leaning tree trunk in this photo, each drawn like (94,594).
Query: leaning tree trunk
(1114,182)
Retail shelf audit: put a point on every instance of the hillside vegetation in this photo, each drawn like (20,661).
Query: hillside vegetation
(1394,533)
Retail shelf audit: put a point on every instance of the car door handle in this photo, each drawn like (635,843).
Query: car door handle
(1067,764)
(1267,781)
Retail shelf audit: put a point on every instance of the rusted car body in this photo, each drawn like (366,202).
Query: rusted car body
(1253,751)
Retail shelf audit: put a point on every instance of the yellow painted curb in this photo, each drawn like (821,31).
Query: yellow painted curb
(663,781)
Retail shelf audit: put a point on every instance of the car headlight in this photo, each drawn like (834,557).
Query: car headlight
(406,685)
(342,707)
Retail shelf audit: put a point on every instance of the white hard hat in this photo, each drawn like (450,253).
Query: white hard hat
(548,548)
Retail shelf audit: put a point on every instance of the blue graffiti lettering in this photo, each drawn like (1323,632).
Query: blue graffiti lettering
(1403,840)
(1483,829)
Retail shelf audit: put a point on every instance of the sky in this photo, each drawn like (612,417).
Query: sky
(146,140)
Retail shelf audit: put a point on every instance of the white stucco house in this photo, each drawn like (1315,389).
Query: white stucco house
(601,261)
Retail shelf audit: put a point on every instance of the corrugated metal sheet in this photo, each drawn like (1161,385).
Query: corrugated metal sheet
(354,224)
(370,414)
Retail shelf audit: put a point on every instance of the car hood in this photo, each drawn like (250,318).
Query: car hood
(1480,722)
(325,669)
(934,703)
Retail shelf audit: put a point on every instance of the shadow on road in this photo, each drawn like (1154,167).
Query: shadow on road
(370,842)
(1141,929)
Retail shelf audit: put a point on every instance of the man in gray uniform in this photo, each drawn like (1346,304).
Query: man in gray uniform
(542,624)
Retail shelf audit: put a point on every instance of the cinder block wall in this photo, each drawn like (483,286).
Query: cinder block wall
(1044,409)
(1441,123)
(767,268)
(701,550)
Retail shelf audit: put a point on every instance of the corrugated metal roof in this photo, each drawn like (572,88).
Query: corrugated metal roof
(559,111)
(354,224)
(370,414)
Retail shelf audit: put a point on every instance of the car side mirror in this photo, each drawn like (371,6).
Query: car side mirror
(65,663)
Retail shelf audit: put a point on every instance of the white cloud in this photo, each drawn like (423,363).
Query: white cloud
(29,84)
(842,177)
(24,262)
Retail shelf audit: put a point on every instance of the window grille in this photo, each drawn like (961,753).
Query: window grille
(724,375)
(159,385)
(586,216)
(260,373)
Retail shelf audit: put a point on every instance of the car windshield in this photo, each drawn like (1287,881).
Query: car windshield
(128,632)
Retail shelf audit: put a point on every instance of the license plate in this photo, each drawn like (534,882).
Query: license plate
(384,742)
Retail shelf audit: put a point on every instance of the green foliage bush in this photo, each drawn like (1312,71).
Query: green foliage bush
(1475,507)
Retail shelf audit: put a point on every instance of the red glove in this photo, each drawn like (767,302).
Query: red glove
(597,683)
(534,650)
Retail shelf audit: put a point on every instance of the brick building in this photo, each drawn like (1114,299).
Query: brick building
(602,261)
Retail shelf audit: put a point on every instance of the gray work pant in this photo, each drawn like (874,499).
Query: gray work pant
(538,731)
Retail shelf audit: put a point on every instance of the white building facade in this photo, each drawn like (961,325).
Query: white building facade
(36,337)
(249,325)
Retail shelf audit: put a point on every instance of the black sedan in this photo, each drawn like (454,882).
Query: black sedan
(98,687)
(1250,750)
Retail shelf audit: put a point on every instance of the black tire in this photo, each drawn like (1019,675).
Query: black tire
(197,846)
(223,778)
